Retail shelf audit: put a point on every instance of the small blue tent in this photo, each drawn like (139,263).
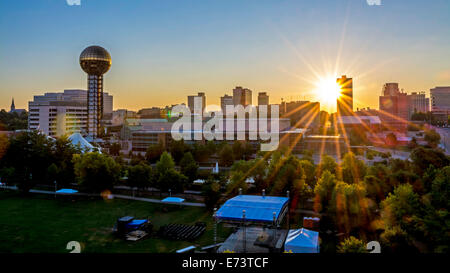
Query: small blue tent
(173,200)
(302,241)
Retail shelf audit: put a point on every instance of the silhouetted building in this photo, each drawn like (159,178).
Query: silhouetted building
(345,101)
(263,98)
(224,101)
(242,96)
(14,110)
(191,100)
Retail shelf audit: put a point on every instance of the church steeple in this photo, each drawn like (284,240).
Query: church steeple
(13,107)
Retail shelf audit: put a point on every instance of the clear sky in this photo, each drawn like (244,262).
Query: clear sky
(164,50)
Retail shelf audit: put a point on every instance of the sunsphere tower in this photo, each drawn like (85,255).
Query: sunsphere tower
(95,61)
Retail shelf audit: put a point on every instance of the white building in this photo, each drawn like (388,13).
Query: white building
(440,101)
(57,114)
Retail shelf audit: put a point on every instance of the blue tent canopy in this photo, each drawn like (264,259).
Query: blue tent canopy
(134,224)
(302,241)
(66,191)
(257,208)
(173,200)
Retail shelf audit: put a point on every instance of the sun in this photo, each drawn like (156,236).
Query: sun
(327,90)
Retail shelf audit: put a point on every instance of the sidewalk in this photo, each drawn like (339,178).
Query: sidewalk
(120,196)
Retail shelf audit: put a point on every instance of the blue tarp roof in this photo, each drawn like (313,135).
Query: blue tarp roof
(257,208)
(66,191)
(173,200)
(135,223)
(302,241)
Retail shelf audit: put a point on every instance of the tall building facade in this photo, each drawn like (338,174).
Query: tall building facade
(440,102)
(345,101)
(57,114)
(224,101)
(95,61)
(418,102)
(242,96)
(191,100)
(263,98)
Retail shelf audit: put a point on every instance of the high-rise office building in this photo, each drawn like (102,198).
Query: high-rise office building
(440,102)
(224,101)
(57,114)
(345,101)
(95,61)
(191,100)
(242,96)
(418,102)
(263,98)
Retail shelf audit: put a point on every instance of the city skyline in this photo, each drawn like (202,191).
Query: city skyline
(283,49)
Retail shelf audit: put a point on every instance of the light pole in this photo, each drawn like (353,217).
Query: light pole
(56,187)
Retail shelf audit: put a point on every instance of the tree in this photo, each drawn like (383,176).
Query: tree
(226,156)
(353,169)
(211,191)
(52,172)
(96,172)
(178,149)
(140,176)
(324,190)
(4,143)
(237,181)
(167,177)
(13,121)
(310,172)
(396,240)
(432,138)
(189,167)
(391,140)
(349,206)
(352,245)
(154,152)
(114,149)
(165,163)
(247,150)
(327,163)
(440,189)
(399,207)
(422,158)
(29,154)
(171,180)
(237,150)
(63,152)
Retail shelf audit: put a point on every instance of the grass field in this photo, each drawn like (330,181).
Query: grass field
(40,224)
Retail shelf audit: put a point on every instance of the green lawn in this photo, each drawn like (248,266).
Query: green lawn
(38,223)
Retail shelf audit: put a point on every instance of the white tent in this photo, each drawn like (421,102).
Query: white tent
(78,140)
(302,241)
